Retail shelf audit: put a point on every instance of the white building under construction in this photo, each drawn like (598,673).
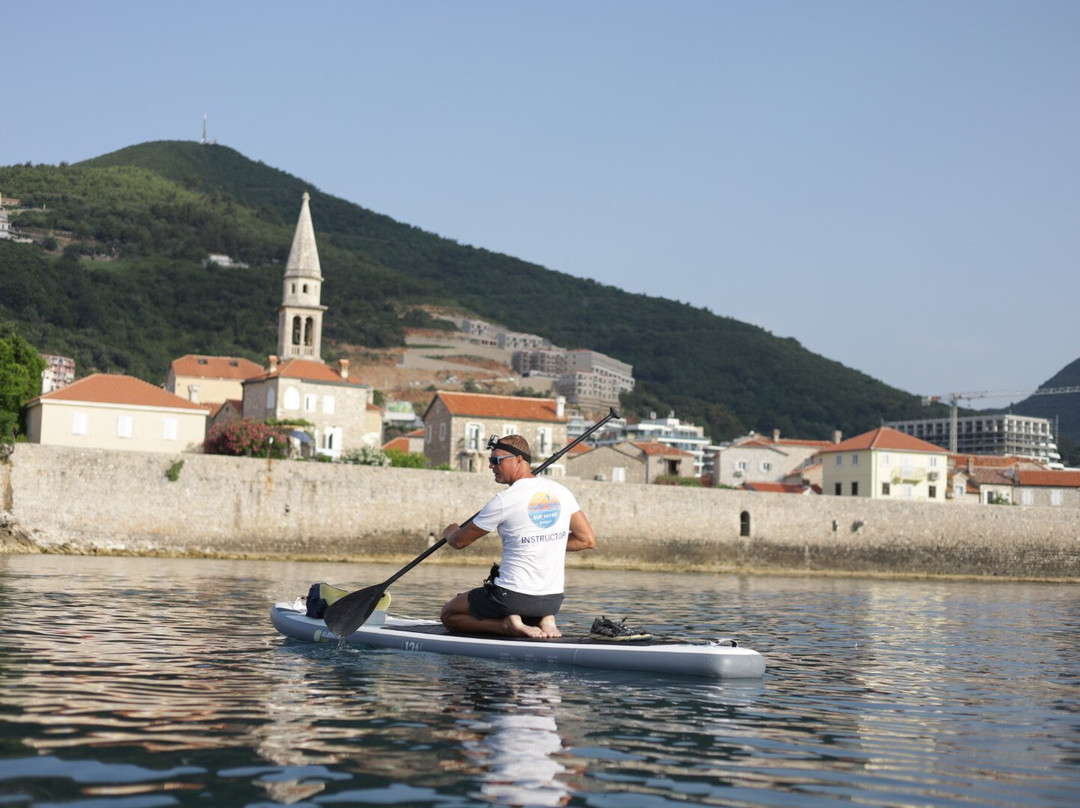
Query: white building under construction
(1002,434)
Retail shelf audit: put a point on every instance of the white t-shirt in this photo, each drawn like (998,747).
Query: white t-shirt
(533,519)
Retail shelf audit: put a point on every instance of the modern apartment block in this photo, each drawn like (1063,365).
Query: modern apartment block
(587,379)
(1002,434)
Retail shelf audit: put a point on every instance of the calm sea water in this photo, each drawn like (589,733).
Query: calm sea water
(146,682)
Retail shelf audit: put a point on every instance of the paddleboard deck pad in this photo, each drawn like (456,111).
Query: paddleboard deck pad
(721,659)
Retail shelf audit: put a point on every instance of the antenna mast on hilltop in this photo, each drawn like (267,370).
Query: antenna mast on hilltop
(203,141)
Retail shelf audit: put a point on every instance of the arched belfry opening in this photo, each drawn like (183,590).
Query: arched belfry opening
(744,523)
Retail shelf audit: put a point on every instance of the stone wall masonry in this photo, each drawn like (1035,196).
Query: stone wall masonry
(72,500)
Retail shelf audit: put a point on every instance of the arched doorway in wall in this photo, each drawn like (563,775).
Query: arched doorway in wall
(744,523)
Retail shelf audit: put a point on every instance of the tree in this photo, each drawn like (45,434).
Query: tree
(20,379)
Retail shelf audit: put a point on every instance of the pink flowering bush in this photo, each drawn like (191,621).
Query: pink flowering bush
(249,438)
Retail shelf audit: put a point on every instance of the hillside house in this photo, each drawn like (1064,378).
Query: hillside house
(1053,488)
(111,411)
(411,442)
(457,427)
(885,464)
(334,405)
(210,379)
(640,462)
(756,458)
(985,479)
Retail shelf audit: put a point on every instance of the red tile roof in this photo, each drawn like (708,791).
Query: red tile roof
(110,388)
(306,370)
(761,440)
(656,448)
(885,439)
(400,443)
(1053,479)
(515,408)
(990,461)
(982,475)
(215,367)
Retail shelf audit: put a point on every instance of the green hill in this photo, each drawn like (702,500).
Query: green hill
(124,289)
(1062,409)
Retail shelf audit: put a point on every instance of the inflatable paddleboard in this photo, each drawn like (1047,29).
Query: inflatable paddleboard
(720,659)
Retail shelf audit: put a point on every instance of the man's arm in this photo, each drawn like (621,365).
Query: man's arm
(581,536)
(457,536)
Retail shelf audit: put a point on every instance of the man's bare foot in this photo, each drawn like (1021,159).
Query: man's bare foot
(547,625)
(515,627)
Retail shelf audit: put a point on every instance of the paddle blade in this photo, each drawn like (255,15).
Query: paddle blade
(346,615)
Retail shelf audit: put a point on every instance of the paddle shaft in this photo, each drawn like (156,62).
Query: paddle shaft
(611,414)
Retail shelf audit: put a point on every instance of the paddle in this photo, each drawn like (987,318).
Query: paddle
(346,615)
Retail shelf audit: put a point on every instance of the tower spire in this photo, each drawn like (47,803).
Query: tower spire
(300,313)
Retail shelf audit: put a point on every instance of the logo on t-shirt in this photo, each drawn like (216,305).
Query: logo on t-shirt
(544,510)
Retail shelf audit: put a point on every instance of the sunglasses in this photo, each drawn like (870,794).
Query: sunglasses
(496,460)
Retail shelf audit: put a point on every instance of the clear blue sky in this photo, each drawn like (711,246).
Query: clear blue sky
(894,184)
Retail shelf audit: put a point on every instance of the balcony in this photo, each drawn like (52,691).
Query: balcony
(907,474)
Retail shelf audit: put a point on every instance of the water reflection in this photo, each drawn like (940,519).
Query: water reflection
(163,683)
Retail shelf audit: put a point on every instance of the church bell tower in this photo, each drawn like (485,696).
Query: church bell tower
(300,313)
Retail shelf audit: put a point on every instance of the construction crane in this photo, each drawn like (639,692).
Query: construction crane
(952,398)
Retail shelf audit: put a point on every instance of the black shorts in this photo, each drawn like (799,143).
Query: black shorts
(494,602)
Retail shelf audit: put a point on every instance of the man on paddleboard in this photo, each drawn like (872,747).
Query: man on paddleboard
(539,521)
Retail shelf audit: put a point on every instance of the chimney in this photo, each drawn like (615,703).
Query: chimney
(776,435)
(560,406)
(343,368)
(836,436)
(970,464)
(273,364)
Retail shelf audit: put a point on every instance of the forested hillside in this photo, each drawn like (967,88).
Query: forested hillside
(123,289)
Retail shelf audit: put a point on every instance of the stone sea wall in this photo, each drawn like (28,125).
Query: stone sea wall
(93,501)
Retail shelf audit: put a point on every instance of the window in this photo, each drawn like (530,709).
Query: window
(291,400)
(309,403)
(78,423)
(543,441)
(741,465)
(328,405)
(168,429)
(839,460)
(855,489)
(509,429)
(1055,497)
(1027,498)
(885,489)
(854,460)
(332,440)
(473,434)
(125,426)
(839,490)
(442,432)
(618,474)
(766,465)
(933,492)
(883,460)
(271,399)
